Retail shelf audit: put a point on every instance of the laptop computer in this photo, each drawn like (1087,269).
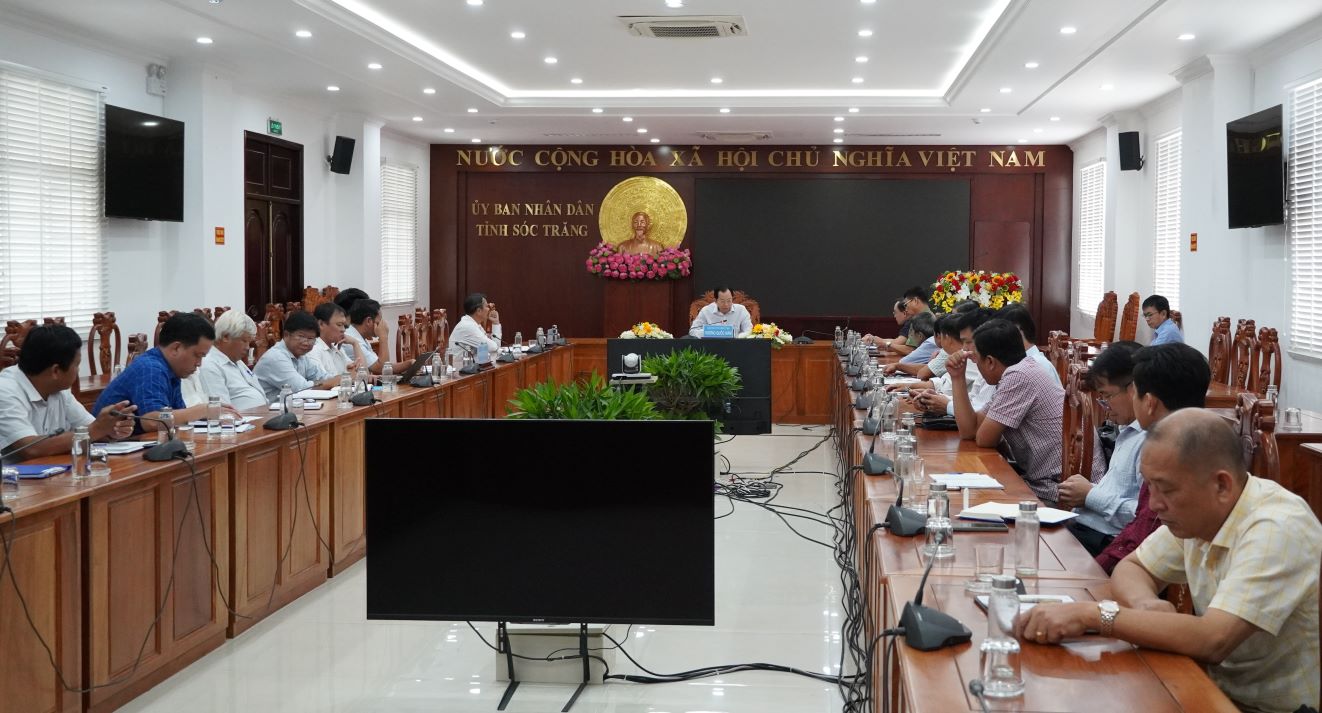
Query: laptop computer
(423,360)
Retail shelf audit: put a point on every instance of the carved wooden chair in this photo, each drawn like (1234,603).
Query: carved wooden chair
(104,344)
(49,321)
(266,337)
(12,341)
(205,313)
(440,326)
(740,297)
(1242,352)
(219,311)
(1267,362)
(329,293)
(312,297)
(137,346)
(292,307)
(1080,430)
(1129,319)
(1178,319)
(275,317)
(406,339)
(1218,351)
(1257,436)
(1103,326)
(161,317)
(1057,343)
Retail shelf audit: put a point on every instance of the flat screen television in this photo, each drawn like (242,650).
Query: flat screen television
(144,166)
(1255,170)
(540,521)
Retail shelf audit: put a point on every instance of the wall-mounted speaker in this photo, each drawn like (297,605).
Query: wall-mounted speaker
(342,158)
(1130,160)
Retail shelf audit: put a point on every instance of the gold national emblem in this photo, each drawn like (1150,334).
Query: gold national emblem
(667,217)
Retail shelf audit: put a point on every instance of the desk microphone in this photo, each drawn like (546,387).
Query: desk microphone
(872,423)
(364,397)
(874,464)
(285,421)
(172,449)
(6,455)
(905,522)
(471,368)
(927,629)
(803,339)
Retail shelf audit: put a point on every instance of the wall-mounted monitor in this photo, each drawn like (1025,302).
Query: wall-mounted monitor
(144,166)
(1255,170)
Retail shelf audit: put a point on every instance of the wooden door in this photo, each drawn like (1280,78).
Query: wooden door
(273,222)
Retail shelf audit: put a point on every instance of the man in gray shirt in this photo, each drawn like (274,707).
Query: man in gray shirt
(287,363)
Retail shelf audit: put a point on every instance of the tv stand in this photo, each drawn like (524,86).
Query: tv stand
(503,644)
(541,642)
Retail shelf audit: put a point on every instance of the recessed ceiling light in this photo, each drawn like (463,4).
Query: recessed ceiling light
(1037,130)
(428,90)
(448,130)
(374,65)
(861,59)
(838,118)
(1006,90)
(839,131)
(626,119)
(1031,65)
(837,141)
(417,118)
(472,110)
(1023,141)
(597,110)
(853,110)
(1107,87)
(985,110)
(1068,30)
(151,123)
(214,2)
(857,80)
(656,140)
(865,33)
(868,2)
(204,40)
(1055,118)
(550,60)
(332,88)
(575,80)
(518,34)
(716,80)
(303,34)
(725,110)
(642,130)
(1186,36)
(475,141)
(675,3)
(475,3)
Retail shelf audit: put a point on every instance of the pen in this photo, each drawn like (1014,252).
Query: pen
(53,470)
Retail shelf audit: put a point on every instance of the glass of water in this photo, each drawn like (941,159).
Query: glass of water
(227,425)
(98,461)
(213,416)
(9,482)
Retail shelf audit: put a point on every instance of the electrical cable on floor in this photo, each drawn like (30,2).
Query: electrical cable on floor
(548,658)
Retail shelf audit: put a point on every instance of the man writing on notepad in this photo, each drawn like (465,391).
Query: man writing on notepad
(288,364)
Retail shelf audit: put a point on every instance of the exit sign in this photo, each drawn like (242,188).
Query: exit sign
(274,127)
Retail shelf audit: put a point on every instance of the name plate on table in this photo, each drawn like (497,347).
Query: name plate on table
(718,331)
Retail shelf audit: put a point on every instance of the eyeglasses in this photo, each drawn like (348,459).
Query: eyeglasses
(303,337)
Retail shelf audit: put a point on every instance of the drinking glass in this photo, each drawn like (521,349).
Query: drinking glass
(916,485)
(988,562)
(185,434)
(1294,420)
(227,425)
(9,483)
(98,460)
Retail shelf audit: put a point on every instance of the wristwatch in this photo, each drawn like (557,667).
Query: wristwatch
(1109,610)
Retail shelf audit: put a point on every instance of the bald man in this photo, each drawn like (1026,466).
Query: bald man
(1249,551)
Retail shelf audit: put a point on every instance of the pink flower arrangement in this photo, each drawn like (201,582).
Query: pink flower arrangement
(670,264)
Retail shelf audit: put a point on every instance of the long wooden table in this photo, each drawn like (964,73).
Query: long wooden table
(1058,678)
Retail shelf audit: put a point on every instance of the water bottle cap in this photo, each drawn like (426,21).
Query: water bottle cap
(1003,582)
(938,487)
(1027,506)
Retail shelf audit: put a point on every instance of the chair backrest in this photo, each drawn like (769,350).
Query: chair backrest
(161,317)
(329,293)
(1267,361)
(1242,351)
(136,348)
(292,307)
(206,313)
(1103,326)
(1080,430)
(219,311)
(406,339)
(740,297)
(311,297)
(12,341)
(275,318)
(1218,351)
(1057,343)
(440,329)
(266,337)
(1129,319)
(104,344)
(1257,436)
(1178,319)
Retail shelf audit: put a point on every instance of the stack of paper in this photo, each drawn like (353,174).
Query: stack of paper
(956,481)
(120,448)
(321,394)
(996,512)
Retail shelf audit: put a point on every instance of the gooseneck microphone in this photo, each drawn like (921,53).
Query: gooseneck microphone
(6,456)
(927,629)
(874,464)
(364,397)
(286,420)
(471,368)
(172,449)
(905,522)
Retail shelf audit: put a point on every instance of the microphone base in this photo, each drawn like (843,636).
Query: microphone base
(905,522)
(362,398)
(871,426)
(860,384)
(854,371)
(928,629)
(421,381)
(172,449)
(470,370)
(874,464)
(283,422)
(506,358)
(803,340)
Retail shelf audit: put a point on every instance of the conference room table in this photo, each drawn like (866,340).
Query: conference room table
(1088,674)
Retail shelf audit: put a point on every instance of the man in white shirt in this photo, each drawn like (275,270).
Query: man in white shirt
(937,397)
(469,332)
(287,363)
(224,369)
(35,400)
(365,319)
(722,311)
(1018,315)
(331,349)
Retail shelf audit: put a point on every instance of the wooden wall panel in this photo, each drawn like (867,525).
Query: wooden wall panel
(470,397)
(505,382)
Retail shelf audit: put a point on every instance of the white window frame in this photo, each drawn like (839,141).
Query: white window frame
(1092,238)
(52,187)
(399,233)
(1304,226)
(1166,218)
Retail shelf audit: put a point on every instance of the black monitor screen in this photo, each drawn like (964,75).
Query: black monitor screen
(144,166)
(540,521)
(1255,176)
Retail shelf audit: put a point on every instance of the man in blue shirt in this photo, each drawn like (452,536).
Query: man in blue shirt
(152,381)
(287,362)
(922,330)
(1105,507)
(1157,313)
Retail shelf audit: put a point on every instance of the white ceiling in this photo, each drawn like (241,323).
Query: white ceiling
(933,65)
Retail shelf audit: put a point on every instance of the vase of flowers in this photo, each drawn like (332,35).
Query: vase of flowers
(989,289)
(769,330)
(646,330)
(607,261)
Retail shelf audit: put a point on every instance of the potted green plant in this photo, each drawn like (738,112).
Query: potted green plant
(691,384)
(592,400)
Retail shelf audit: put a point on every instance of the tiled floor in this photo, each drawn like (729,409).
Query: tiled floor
(777,601)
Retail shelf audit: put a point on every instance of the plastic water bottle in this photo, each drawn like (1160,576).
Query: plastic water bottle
(344,391)
(517,347)
(1002,676)
(940,530)
(436,368)
(167,431)
(387,377)
(1025,540)
(839,341)
(541,338)
(82,444)
(283,398)
(555,334)
(361,379)
(213,416)
(296,403)
(1273,394)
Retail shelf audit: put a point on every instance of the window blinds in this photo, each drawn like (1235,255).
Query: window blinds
(1305,214)
(1092,235)
(1166,220)
(399,234)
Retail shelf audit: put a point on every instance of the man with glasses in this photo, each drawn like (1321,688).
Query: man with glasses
(1157,313)
(1106,507)
(288,364)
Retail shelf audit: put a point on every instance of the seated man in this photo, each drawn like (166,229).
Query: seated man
(1026,410)
(901,318)
(469,334)
(35,400)
(332,349)
(1157,313)
(723,311)
(225,368)
(1018,315)
(348,296)
(915,303)
(923,330)
(1167,378)
(365,319)
(947,342)
(935,396)
(287,362)
(154,380)
(1105,508)
(1248,549)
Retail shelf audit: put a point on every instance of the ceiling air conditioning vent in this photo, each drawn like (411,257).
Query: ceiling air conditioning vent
(668,27)
(735,137)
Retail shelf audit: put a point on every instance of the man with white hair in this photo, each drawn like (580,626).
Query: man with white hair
(224,370)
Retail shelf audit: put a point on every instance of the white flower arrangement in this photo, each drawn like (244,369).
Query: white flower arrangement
(646,330)
(769,330)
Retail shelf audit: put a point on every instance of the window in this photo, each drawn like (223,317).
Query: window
(52,260)
(399,234)
(1092,235)
(1306,219)
(1166,227)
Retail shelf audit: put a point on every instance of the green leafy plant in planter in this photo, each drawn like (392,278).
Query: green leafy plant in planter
(691,385)
(592,400)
